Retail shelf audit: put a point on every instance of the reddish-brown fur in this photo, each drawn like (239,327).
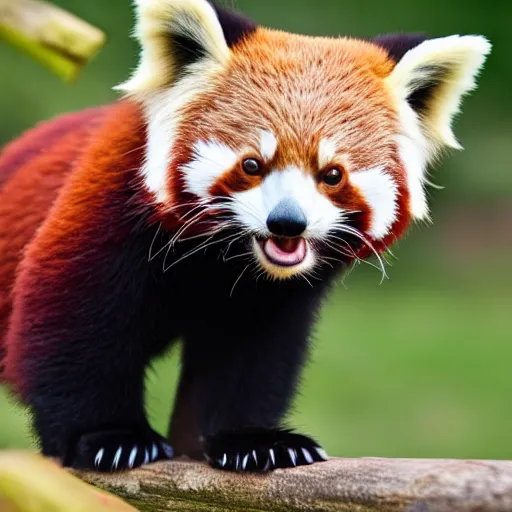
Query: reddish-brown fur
(309,89)
(41,193)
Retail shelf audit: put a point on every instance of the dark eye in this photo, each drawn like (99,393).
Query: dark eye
(251,166)
(332,176)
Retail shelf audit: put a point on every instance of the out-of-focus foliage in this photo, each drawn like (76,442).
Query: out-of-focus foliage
(29,483)
(420,365)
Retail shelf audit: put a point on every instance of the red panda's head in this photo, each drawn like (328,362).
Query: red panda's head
(314,149)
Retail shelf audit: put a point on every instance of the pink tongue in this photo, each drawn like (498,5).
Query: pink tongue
(286,257)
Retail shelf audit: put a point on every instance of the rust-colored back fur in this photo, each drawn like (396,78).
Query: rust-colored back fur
(32,171)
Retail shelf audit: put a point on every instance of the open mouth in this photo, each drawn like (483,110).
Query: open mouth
(284,252)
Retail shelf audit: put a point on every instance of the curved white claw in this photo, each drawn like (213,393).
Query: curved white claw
(167,449)
(117,456)
(146,456)
(244,461)
(133,454)
(99,456)
(307,456)
(272,456)
(321,453)
(224,460)
(293,455)
(154,452)
(255,457)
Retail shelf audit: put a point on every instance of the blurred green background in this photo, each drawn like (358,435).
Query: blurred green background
(419,366)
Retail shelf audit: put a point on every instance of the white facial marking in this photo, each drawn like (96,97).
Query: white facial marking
(211,159)
(414,161)
(163,114)
(253,206)
(268,145)
(326,152)
(117,456)
(380,191)
(99,456)
(133,454)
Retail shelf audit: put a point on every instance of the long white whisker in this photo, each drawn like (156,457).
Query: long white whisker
(204,245)
(306,279)
(150,256)
(355,232)
(238,280)
(189,223)
(250,253)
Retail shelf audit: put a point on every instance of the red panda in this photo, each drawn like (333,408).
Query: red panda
(243,169)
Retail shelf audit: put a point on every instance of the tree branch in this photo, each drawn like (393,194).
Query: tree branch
(363,485)
(55,38)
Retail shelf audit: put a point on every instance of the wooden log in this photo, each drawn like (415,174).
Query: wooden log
(52,36)
(363,485)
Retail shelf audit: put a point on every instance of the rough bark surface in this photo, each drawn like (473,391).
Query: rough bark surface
(367,484)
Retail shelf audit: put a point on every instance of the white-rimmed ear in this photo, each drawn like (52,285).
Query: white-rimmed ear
(174,35)
(434,76)
(428,83)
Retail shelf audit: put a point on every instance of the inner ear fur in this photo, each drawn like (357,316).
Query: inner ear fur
(432,77)
(175,35)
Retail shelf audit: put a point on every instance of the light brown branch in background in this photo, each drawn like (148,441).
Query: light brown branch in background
(55,38)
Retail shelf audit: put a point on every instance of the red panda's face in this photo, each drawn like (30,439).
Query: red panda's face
(297,155)
(312,150)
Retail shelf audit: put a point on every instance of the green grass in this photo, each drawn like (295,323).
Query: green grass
(415,367)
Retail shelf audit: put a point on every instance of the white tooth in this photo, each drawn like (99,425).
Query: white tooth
(117,456)
(321,453)
(154,452)
(99,456)
(272,456)
(254,456)
(293,456)
(307,456)
(133,454)
(146,456)
(244,462)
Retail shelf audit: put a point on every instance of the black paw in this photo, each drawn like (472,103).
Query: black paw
(115,450)
(261,450)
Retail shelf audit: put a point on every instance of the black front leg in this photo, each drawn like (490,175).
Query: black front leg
(242,363)
(83,332)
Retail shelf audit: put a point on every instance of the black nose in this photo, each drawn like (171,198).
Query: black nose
(287,219)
